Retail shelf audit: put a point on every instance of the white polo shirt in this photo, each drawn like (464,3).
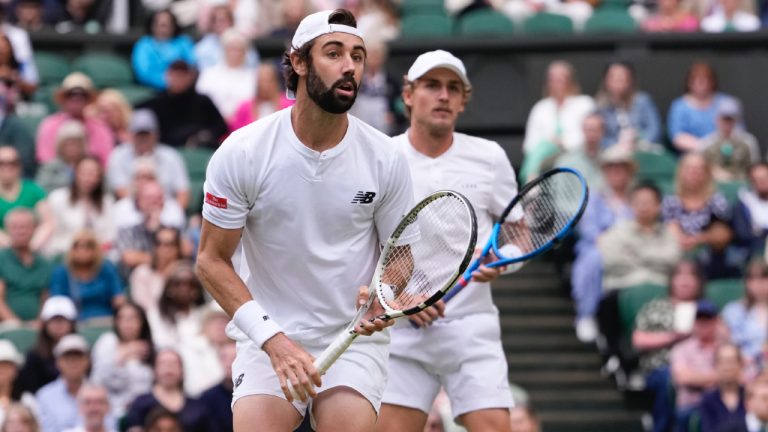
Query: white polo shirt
(313,222)
(478,169)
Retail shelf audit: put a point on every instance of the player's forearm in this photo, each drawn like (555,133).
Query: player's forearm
(219,278)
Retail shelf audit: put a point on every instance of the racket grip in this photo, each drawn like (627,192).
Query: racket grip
(464,281)
(329,356)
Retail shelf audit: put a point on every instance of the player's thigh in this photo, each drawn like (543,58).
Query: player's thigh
(401,419)
(343,409)
(492,419)
(264,413)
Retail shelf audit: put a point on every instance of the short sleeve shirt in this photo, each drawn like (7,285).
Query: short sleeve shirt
(656,316)
(24,284)
(29,195)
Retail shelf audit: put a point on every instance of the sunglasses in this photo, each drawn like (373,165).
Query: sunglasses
(84,245)
(9,162)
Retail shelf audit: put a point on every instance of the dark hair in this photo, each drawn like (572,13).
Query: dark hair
(145,332)
(649,186)
(178,358)
(97,194)
(12,62)
(158,413)
(338,16)
(698,273)
(699,67)
(756,269)
(602,97)
(45,343)
(177,242)
(151,20)
(167,306)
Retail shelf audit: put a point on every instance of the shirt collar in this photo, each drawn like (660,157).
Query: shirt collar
(753,423)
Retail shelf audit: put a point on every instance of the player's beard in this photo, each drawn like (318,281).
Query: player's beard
(325,97)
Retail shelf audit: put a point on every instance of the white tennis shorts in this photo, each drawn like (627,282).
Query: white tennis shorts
(463,355)
(362,367)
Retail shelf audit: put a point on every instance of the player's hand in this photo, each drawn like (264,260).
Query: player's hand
(292,364)
(370,324)
(486,274)
(429,315)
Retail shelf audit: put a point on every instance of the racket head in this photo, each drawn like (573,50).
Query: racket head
(427,252)
(544,212)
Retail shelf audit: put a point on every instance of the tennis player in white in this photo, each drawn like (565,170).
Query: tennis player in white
(462,350)
(312,192)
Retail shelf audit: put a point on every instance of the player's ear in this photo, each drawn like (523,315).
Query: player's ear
(407,92)
(299,64)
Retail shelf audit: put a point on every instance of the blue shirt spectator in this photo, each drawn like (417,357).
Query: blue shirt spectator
(697,121)
(153,53)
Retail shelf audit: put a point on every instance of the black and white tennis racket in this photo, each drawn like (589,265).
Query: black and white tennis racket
(430,248)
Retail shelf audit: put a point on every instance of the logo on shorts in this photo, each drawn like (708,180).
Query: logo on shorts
(265,317)
(239,380)
(215,201)
(362,197)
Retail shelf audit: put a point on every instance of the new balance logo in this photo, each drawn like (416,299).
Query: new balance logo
(363,197)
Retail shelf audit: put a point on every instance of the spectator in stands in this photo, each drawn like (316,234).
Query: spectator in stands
(227,81)
(85,203)
(585,160)
(554,123)
(12,131)
(751,212)
(74,95)
(93,406)
(671,16)
(92,282)
(114,110)
(291,14)
(58,318)
(692,116)
(523,419)
(83,15)
(189,119)
(729,17)
(147,280)
(218,399)
(730,149)
(71,148)
(660,325)
(123,358)
(11,390)
(756,417)
(162,420)
(726,402)
(200,351)
(170,168)
(607,206)
(24,274)
(209,51)
(126,211)
(168,393)
(159,48)
(747,318)
(22,51)
(629,115)
(29,15)
(20,418)
(692,362)
(178,316)
(700,217)
(379,92)
(269,98)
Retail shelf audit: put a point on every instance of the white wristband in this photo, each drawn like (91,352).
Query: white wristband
(254,321)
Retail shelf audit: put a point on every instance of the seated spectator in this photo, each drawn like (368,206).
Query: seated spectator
(700,217)
(178,317)
(11,390)
(730,18)
(660,325)
(269,98)
(114,110)
(13,132)
(147,280)
(58,318)
(93,405)
(20,418)
(162,420)
(291,14)
(74,95)
(200,352)
(379,91)
(209,51)
(692,116)
(123,358)
(747,318)
(585,160)
(126,211)
(218,399)
(16,192)
(170,168)
(162,45)
(671,16)
(726,402)
(71,148)
(730,149)
(554,124)
(752,209)
(22,49)
(377,20)
(91,282)
(523,419)
(189,119)
(24,273)
(692,362)
(83,204)
(29,15)
(26,82)
(605,208)
(756,409)
(168,393)
(629,115)
(82,15)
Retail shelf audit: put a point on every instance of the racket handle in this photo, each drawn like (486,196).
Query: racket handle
(464,281)
(329,356)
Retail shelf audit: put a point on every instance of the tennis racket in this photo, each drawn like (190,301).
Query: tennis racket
(541,215)
(422,259)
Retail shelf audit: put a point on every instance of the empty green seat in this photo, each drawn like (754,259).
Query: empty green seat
(196,160)
(106,70)
(632,299)
(196,193)
(92,334)
(544,23)
(31,122)
(723,291)
(51,67)
(44,95)
(411,7)
(610,20)
(657,167)
(22,338)
(485,22)
(136,94)
(730,190)
(425,26)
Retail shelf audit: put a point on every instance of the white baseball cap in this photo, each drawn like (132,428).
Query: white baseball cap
(315,25)
(71,343)
(58,306)
(9,353)
(438,59)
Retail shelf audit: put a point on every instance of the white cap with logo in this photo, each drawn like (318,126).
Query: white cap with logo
(438,59)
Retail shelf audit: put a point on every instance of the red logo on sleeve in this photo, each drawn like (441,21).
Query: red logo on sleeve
(215,201)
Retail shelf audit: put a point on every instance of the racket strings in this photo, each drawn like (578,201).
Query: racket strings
(436,241)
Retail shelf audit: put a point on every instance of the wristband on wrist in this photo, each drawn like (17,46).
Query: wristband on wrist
(254,321)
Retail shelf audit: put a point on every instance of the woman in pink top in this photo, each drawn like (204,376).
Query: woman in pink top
(75,94)
(671,17)
(269,98)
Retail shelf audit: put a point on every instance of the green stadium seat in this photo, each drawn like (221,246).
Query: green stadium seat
(723,291)
(196,193)
(411,7)
(106,70)
(694,421)
(544,23)
(92,334)
(632,299)
(426,26)
(44,95)
(656,167)
(485,22)
(610,20)
(136,94)
(614,4)
(51,67)
(31,122)
(196,161)
(23,338)
(730,190)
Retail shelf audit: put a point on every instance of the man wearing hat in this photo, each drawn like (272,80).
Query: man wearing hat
(435,91)
(76,93)
(284,187)
(730,149)
(169,166)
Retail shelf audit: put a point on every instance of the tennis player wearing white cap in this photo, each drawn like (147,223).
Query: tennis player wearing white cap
(313,192)
(462,351)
